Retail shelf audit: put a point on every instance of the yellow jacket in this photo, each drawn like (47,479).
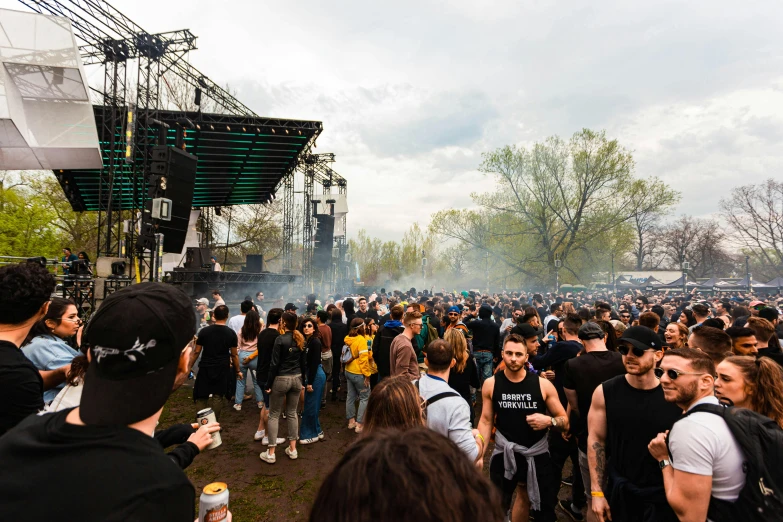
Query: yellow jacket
(360,349)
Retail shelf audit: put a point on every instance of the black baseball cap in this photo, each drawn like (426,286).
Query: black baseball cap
(590,330)
(525,330)
(641,337)
(290,306)
(135,338)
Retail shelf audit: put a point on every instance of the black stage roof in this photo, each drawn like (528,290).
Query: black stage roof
(241,159)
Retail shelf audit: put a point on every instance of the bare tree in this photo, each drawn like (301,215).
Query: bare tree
(700,242)
(755,214)
(653,200)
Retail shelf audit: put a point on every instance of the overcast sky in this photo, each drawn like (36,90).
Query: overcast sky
(412,92)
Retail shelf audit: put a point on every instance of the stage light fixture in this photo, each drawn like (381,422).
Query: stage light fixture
(212,127)
(218,211)
(228,128)
(258,130)
(198,126)
(244,129)
(197,100)
(286,131)
(273,131)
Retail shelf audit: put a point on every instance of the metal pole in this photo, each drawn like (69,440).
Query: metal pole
(684,276)
(747,273)
(158,255)
(614,281)
(228,235)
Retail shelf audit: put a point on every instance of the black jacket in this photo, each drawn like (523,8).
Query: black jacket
(381,348)
(287,359)
(485,336)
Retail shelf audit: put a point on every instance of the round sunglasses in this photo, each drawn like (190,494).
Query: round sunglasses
(638,352)
(673,374)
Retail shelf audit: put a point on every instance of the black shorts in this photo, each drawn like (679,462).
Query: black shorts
(544,473)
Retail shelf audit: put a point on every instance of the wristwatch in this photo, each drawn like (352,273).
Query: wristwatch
(554,422)
(663,463)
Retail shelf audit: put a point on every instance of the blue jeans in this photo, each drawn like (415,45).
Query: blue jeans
(484,365)
(356,388)
(240,390)
(311,425)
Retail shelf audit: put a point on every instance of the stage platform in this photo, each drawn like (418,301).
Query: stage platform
(233,285)
(241,159)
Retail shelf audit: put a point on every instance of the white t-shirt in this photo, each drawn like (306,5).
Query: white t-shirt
(236,322)
(702,444)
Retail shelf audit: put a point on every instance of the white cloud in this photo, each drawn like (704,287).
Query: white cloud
(411,93)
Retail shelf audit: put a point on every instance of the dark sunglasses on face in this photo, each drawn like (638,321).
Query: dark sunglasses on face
(625,348)
(672,373)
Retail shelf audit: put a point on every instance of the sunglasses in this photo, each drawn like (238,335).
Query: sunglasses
(673,374)
(453,313)
(308,325)
(637,352)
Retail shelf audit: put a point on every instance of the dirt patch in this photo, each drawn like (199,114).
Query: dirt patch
(260,492)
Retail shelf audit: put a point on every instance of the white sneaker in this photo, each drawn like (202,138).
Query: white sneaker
(321,436)
(260,405)
(293,455)
(238,407)
(259,435)
(265,440)
(266,457)
(309,441)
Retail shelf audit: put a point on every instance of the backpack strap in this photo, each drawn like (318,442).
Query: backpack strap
(435,398)
(715,409)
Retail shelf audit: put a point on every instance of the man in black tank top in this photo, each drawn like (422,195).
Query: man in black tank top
(626,410)
(517,403)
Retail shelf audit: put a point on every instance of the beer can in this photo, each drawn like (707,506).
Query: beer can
(206,416)
(213,503)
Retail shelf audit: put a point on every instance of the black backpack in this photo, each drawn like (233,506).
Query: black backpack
(761,442)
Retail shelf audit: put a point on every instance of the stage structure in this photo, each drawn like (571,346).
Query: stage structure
(242,158)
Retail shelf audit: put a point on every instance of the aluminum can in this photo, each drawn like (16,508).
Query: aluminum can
(206,416)
(213,504)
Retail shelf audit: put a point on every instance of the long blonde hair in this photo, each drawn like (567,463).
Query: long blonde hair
(456,340)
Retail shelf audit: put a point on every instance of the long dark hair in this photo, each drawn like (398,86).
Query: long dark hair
(316,331)
(57,308)
(289,324)
(252,326)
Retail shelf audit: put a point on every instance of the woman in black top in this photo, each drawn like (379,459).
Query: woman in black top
(287,375)
(339,331)
(464,373)
(316,380)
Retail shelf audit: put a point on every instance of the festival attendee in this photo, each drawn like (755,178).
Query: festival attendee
(247,346)
(217,298)
(686,318)
(706,460)
(446,412)
(454,316)
(402,355)
(764,330)
(723,311)
(464,374)
(327,360)
(217,345)
(555,313)
(701,313)
(486,341)
(236,322)
(583,374)
(519,404)
(139,342)
(45,345)
(215,265)
(68,256)
(339,331)
(753,383)
(627,412)
(25,290)
(357,374)
(314,386)
(676,336)
(712,341)
(203,317)
(398,456)
(393,403)
(287,375)
(625,317)
(266,343)
(363,309)
(381,345)
(650,320)
(743,340)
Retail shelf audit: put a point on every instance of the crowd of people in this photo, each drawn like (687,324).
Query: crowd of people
(466,405)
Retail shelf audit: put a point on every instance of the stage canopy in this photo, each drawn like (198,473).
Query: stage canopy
(241,159)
